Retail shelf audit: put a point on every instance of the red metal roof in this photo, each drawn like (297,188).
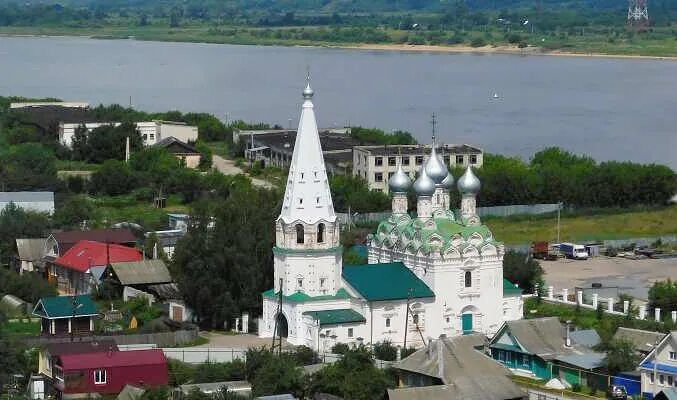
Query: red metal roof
(86,254)
(112,359)
(68,239)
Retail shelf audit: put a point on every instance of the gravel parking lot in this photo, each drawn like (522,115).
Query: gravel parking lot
(633,277)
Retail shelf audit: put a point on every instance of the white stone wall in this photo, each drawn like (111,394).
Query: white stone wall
(312,274)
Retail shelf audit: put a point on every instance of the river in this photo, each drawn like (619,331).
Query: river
(620,109)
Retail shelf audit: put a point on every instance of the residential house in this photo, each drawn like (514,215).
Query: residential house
(139,275)
(29,201)
(242,388)
(659,368)
(49,353)
(541,349)
(188,154)
(30,254)
(66,315)
(155,131)
(642,341)
(452,368)
(81,267)
(167,240)
(59,243)
(78,375)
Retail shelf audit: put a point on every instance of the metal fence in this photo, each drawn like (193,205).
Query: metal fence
(162,339)
(498,211)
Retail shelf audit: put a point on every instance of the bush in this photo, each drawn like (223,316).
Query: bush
(406,352)
(113,178)
(340,348)
(478,42)
(304,355)
(385,351)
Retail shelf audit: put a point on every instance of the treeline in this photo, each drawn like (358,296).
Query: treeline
(555,175)
(378,136)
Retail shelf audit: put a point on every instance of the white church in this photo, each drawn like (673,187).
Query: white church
(440,272)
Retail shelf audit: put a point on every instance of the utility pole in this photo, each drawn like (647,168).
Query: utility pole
(406,318)
(276,334)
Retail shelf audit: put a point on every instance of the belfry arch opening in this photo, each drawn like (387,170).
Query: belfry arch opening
(320,233)
(282,326)
(299,234)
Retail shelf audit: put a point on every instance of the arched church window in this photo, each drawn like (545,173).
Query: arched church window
(468,279)
(320,233)
(387,322)
(299,233)
(414,319)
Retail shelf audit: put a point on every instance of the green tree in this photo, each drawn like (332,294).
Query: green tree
(112,178)
(279,375)
(351,191)
(523,270)
(72,212)
(16,223)
(13,356)
(353,377)
(27,166)
(663,295)
(109,142)
(621,356)
(29,287)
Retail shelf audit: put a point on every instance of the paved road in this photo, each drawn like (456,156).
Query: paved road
(228,167)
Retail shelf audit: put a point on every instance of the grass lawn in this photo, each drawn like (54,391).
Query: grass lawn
(633,223)
(114,209)
(22,328)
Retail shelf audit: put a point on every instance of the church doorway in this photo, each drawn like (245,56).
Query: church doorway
(282,326)
(466,323)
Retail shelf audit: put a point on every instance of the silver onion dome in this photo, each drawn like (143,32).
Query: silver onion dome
(399,182)
(424,186)
(468,183)
(435,167)
(308,92)
(448,182)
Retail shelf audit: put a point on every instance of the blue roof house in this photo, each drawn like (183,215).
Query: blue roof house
(659,368)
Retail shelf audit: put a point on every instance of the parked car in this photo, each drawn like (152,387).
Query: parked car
(544,251)
(617,392)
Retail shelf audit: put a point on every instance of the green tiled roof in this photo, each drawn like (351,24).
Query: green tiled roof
(510,289)
(62,307)
(335,317)
(300,297)
(388,281)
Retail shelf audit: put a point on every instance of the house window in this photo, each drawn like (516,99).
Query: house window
(99,376)
(446,160)
(405,160)
(151,136)
(473,159)
(673,355)
(320,233)
(651,377)
(387,322)
(661,379)
(350,332)
(378,177)
(468,279)
(671,380)
(299,233)
(391,161)
(459,159)
(378,161)
(419,160)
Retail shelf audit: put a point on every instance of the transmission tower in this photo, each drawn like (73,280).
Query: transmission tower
(638,14)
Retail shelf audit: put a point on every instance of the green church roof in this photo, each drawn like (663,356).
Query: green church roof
(510,289)
(300,297)
(62,307)
(335,317)
(388,281)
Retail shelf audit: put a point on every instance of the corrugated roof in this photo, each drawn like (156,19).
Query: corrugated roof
(113,359)
(30,249)
(335,317)
(468,373)
(585,360)
(387,281)
(104,345)
(176,146)
(68,239)
(543,337)
(641,340)
(510,289)
(62,307)
(585,337)
(141,272)
(87,254)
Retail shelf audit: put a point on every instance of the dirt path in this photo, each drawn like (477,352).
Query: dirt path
(228,167)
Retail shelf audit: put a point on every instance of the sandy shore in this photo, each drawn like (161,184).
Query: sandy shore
(535,51)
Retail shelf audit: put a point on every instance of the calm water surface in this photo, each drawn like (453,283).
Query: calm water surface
(608,108)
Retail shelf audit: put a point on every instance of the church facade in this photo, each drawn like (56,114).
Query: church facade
(439,272)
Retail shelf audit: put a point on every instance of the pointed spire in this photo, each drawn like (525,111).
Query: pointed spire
(434,167)
(307,197)
(308,91)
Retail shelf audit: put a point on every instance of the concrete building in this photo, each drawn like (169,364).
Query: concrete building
(376,164)
(153,132)
(67,130)
(439,273)
(29,201)
(276,147)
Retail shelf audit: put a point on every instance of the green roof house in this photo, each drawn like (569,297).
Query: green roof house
(64,315)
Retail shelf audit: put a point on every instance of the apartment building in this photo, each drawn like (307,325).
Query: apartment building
(376,164)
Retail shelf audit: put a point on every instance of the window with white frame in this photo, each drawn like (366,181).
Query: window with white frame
(387,322)
(671,380)
(661,379)
(673,355)
(350,332)
(99,376)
